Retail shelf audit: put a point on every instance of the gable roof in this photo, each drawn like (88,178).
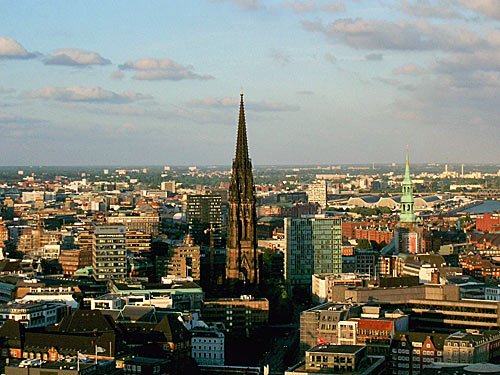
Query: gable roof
(82,321)
(173,329)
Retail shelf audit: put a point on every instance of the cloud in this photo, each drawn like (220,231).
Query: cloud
(10,49)
(430,9)
(464,64)
(333,7)
(117,75)
(374,57)
(86,94)
(409,69)
(330,58)
(15,126)
(151,69)
(4,90)
(232,103)
(75,57)
(398,35)
(243,4)
(303,6)
(488,8)
(307,6)
(280,57)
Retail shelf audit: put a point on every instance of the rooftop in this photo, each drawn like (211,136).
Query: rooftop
(336,349)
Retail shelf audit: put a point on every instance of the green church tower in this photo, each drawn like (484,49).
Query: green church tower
(407,200)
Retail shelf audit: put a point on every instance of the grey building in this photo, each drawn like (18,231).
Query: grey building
(109,253)
(204,214)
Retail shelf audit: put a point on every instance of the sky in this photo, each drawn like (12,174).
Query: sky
(325,81)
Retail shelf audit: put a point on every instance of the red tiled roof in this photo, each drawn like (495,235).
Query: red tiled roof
(376,324)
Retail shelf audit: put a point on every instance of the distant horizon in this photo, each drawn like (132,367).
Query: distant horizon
(134,166)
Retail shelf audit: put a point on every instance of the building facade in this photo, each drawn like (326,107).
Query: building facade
(204,219)
(313,245)
(207,346)
(109,253)
(239,315)
(317,193)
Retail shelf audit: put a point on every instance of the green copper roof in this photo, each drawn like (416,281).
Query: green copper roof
(407,201)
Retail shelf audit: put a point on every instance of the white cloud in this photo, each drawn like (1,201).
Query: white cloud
(303,6)
(86,94)
(117,75)
(430,9)
(334,7)
(398,35)
(151,69)
(75,57)
(488,8)
(243,4)
(307,6)
(409,69)
(11,49)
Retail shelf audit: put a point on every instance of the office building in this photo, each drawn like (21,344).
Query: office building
(185,262)
(204,219)
(145,222)
(168,186)
(109,254)
(317,193)
(313,245)
(239,315)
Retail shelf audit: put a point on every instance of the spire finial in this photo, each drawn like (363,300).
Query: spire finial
(241,91)
(407,155)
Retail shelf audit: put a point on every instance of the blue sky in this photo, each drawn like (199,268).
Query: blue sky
(325,81)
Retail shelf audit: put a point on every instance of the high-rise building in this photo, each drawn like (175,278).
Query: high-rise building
(317,193)
(4,233)
(409,234)
(204,219)
(168,186)
(313,245)
(241,263)
(109,254)
(185,261)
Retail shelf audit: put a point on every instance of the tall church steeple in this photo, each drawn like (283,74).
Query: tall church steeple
(407,200)
(241,261)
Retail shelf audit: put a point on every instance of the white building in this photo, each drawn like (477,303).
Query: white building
(33,314)
(50,294)
(492,293)
(316,193)
(207,346)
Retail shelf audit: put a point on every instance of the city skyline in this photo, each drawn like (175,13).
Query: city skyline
(326,82)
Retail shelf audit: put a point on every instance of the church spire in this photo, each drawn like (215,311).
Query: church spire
(241,141)
(407,200)
(407,177)
(241,258)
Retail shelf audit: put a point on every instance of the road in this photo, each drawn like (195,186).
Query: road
(282,343)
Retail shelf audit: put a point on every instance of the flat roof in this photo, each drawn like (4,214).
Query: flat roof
(337,349)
